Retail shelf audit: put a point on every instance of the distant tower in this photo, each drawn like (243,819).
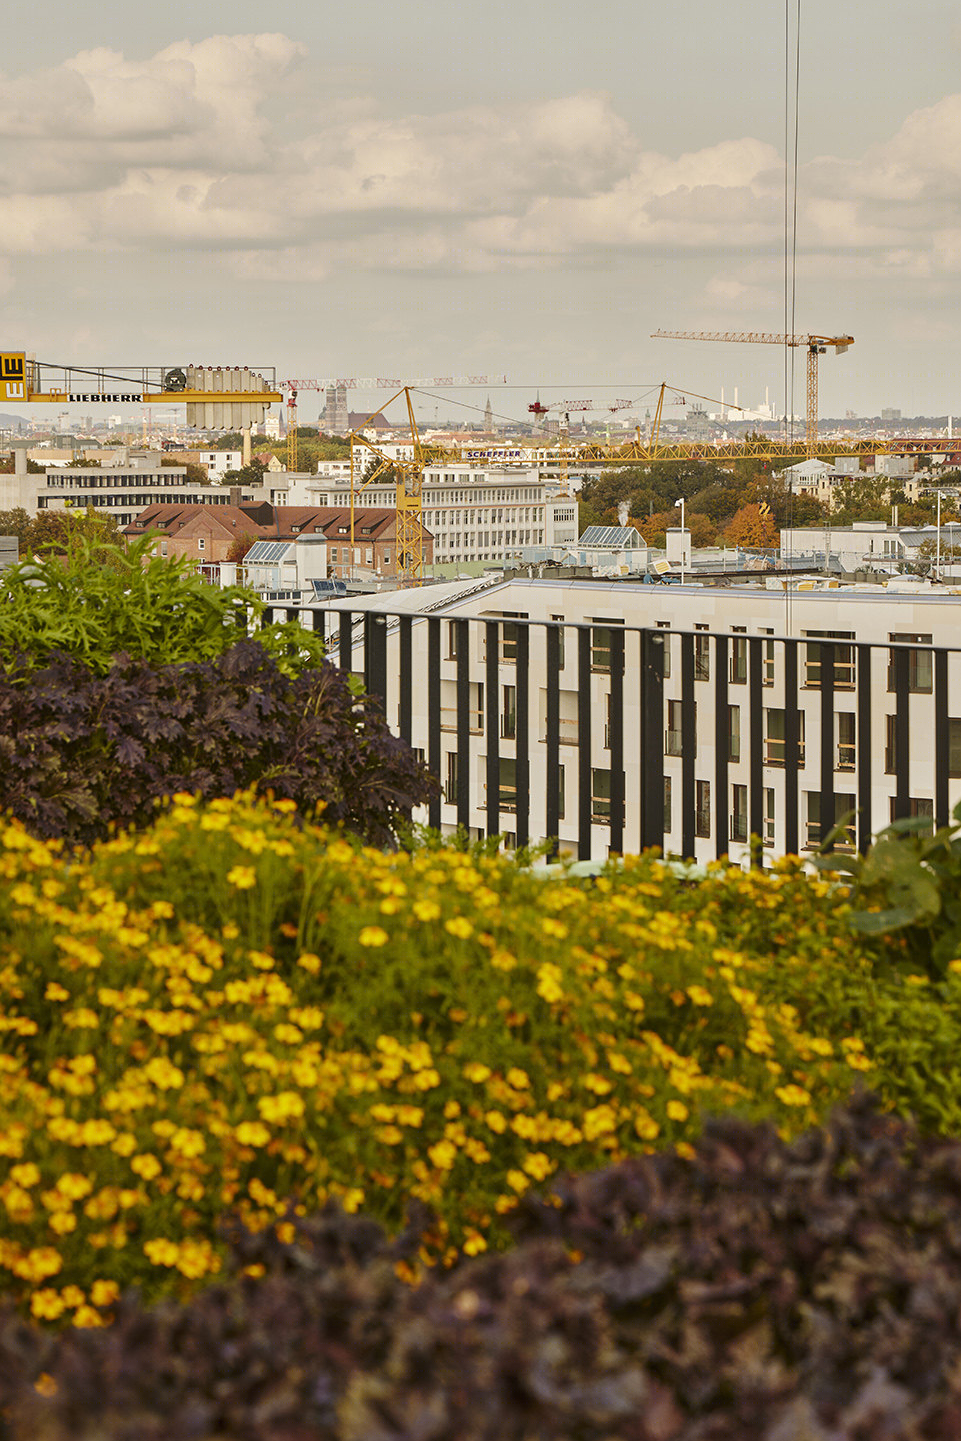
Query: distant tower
(489,418)
(335,414)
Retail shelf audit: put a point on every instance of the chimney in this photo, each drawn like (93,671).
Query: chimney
(236,494)
(19,460)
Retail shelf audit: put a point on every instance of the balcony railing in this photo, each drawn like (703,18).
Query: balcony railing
(906,703)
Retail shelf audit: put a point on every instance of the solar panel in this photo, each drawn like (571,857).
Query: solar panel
(266,551)
(609,535)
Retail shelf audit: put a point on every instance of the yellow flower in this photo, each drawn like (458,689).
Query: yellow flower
(460,927)
(46,1305)
(243,877)
(252,1133)
(146,1166)
(518,1079)
(646,1127)
(677,1111)
(161,1251)
(373,936)
(477,1072)
(517,1181)
(443,1155)
(700,996)
(56,992)
(538,1165)
(426,910)
(285,1106)
(104,1293)
(792,1095)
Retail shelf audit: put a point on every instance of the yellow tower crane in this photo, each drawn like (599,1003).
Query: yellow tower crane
(815,344)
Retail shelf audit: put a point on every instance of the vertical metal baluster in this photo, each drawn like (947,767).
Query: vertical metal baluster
(756,769)
(941,738)
(553,740)
(792,746)
(722,731)
(652,738)
(862,736)
(902,753)
(688,746)
(492,672)
(616,740)
(375,656)
(522,745)
(462,632)
(345,640)
(584,778)
(828,806)
(405,709)
(433,715)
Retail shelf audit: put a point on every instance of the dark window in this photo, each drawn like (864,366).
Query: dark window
(739,813)
(774,742)
(734,732)
(600,795)
(920,664)
(846,722)
(702,655)
(816,831)
(702,812)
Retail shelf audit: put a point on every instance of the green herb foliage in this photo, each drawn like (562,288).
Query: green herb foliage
(100,600)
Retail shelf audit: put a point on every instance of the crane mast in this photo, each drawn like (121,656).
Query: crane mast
(816,346)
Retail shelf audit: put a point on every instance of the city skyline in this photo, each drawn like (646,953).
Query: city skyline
(495,191)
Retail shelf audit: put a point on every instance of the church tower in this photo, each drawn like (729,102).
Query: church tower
(489,418)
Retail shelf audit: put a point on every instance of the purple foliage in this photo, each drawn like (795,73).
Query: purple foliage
(80,752)
(804,1292)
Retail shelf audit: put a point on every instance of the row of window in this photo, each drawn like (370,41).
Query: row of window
(920,662)
(814,833)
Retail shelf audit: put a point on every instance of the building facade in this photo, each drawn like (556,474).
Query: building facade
(474,513)
(618,715)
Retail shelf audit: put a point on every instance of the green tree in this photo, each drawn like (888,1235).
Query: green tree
(17,522)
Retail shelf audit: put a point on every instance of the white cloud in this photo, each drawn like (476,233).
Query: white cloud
(183,150)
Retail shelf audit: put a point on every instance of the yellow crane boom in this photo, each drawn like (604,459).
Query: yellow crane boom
(815,344)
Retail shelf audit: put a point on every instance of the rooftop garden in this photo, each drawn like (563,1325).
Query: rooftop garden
(314,1128)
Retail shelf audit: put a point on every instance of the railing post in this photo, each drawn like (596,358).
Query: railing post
(652,739)
(584,758)
(553,737)
(492,634)
(721,745)
(755,703)
(522,741)
(375,656)
(616,740)
(902,754)
(828,806)
(942,740)
(792,746)
(462,632)
(862,737)
(433,716)
(688,747)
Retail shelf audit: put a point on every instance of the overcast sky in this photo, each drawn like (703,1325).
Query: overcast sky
(522,188)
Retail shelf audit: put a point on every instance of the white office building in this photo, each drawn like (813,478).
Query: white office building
(742,684)
(475,513)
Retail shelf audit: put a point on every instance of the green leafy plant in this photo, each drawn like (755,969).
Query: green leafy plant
(909,883)
(100,600)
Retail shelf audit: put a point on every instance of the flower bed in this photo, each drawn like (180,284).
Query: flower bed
(232,1012)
